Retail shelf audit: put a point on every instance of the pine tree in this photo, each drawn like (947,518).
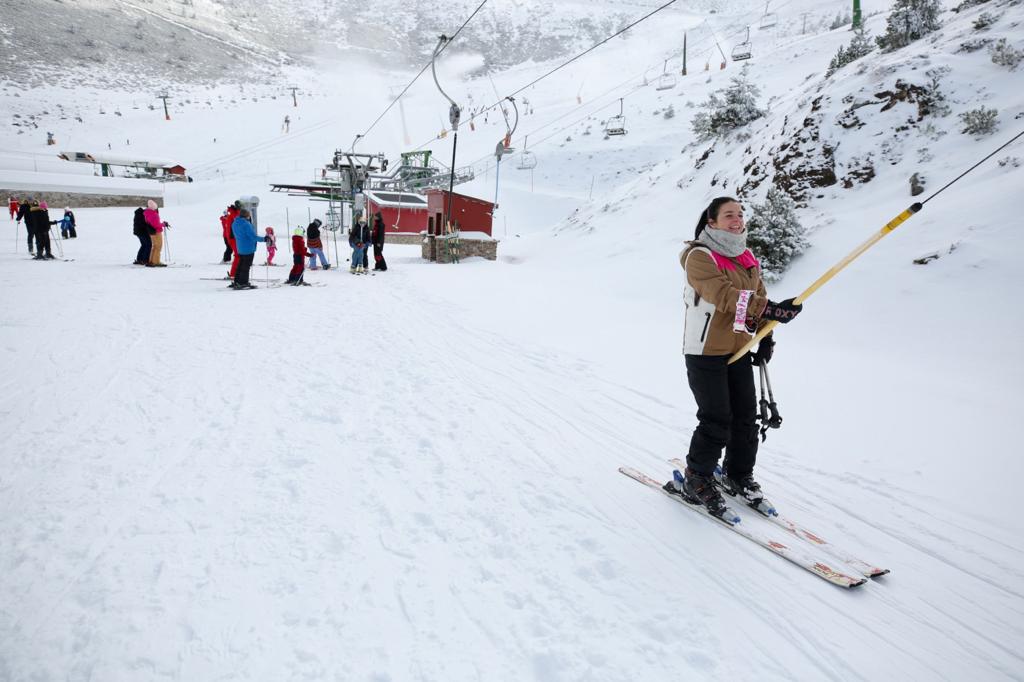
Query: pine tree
(728,109)
(775,234)
(908,21)
(860,46)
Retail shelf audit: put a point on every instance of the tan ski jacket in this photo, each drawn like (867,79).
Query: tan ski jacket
(724,300)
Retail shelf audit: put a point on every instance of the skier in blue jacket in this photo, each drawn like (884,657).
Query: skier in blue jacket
(245,243)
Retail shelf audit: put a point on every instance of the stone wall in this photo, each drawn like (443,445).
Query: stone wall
(403,237)
(434,248)
(81,200)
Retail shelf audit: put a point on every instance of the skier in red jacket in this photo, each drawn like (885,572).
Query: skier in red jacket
(299,253)
(231,251)
(12,206)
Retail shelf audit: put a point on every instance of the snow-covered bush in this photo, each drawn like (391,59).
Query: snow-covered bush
(670,112)
(859,47)
(934,97)
(774,233)
(984,20)
(1004,54)
(840,21)
(908,21)
(980,121)
(968,3)
(728,109)
(973,45)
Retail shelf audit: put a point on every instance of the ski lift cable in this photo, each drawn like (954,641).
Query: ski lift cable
(615,89)
(709,38)
(590,49)
(999,149)
(570,61)
(330,121)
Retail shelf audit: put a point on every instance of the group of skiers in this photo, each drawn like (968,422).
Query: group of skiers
(305,243)
(36,215)
(240,240)
(360,238)
(149,229)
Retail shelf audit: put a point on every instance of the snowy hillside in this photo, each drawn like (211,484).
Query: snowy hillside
(413,476)
(147,42)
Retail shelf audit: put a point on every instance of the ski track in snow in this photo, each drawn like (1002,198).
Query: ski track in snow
(215,482)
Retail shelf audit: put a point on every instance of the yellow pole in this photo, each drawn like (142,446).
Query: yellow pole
(832,272)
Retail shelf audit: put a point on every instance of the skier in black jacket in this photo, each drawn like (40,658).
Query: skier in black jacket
(141,230)
(378,242)
(39,223)
(23,210)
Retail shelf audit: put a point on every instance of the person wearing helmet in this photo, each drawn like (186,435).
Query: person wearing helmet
(299,254)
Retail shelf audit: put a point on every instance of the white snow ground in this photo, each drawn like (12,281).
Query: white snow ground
(412,476)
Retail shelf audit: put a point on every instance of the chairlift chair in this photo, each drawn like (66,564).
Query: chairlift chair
(616,125)
(666,81)
(527,160)
(742,51)
(768,20)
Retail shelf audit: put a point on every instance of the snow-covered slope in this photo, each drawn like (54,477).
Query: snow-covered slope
(413,475)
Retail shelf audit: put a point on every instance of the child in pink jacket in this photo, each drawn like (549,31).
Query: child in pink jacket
(271,244)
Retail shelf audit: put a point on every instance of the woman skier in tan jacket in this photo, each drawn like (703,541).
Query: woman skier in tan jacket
(726,302)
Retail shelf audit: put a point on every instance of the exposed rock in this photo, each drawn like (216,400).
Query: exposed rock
(859,171)
(916,184)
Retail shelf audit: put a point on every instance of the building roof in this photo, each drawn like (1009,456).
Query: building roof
(397,199)
(461,196)
(114,160)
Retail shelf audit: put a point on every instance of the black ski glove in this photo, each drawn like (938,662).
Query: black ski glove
(783,311)
(764,351)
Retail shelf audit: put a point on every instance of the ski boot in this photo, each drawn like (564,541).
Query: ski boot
(746,488)
(700,490)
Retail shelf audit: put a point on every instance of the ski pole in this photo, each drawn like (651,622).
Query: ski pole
(775,420)
(60,248)
(874,239)
(167,241)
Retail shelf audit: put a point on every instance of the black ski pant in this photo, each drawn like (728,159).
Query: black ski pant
(726,414)
(378,257)
(244,263)
(43,240)
(227,251)
(31,235)
(145,248)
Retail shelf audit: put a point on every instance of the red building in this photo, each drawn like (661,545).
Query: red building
(402,212)
(468,213)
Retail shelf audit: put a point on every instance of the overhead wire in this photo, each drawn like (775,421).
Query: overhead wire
(710,38)
(319,126)
(613,89)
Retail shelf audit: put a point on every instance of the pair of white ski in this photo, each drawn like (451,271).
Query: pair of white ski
(797,553)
